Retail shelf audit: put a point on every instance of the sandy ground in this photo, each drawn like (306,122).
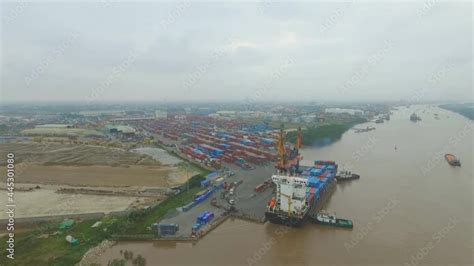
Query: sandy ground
(96,175)
(83,165)
(42,202)
(55,166)
(73,155)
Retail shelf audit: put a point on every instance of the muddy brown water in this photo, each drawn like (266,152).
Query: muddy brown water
(409,207)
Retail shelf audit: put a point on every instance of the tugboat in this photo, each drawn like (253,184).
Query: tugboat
(346,175)
(330,219)
(452,160)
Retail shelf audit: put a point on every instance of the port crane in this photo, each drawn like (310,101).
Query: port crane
(287,161)
(298,139)
(282,157)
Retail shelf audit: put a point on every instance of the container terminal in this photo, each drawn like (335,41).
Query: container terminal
(256,176)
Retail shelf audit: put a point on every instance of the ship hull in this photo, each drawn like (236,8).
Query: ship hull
(352,177)
(285,219)
(452,160)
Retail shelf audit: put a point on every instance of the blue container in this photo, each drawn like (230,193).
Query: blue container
(205,183)
(313,182)
(212,175)
(200,217)
(322,186)
(207,217)
(316,172)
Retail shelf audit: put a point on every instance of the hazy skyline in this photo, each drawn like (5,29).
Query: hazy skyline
(262,51)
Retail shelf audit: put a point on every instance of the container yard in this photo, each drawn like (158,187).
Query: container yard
(243,183)
(211,141)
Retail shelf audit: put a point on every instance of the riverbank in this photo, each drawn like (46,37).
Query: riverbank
(324,134)
(465,109)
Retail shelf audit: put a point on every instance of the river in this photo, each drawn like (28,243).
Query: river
(409,207)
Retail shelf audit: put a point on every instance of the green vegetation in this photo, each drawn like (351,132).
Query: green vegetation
(465,109)
(321,135)
(44,247)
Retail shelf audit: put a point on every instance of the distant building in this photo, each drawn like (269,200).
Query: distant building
(226,113)
(172,113)
(161,114)
(120,129)
(308,118)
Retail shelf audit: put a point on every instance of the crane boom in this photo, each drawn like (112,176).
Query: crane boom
(298,139)
(281,151)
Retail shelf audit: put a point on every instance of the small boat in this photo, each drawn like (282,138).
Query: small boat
(330,219)
(414,118)
(452,160)
(346,175)
(379,120)
(361,130)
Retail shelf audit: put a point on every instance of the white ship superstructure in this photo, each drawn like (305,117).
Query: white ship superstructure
(291,195)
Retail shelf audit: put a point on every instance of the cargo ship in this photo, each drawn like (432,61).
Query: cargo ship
(298,191)
(452,160)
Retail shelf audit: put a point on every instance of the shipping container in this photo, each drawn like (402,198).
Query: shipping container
(205,183)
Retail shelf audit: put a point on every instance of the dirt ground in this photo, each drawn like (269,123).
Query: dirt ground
(43,202)
(56,166)
(96,175)
(73,155)
(82,165)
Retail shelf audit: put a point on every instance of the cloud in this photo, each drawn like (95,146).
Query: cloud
(265,33)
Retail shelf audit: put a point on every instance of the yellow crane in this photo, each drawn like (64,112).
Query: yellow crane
(298,139)
(281,150)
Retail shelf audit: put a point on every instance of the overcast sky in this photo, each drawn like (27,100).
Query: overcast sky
(235,51)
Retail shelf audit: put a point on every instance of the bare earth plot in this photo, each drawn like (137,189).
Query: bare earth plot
(96,175)
(93,168)
(82,165)
(43,202)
